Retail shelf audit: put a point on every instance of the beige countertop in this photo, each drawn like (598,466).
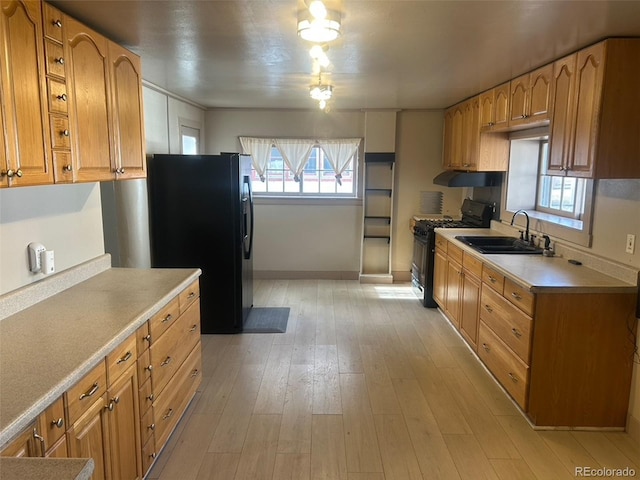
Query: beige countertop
(542,274)
(49,346)
(46,468)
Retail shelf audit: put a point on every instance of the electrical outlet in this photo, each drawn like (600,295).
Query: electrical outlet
(631,243)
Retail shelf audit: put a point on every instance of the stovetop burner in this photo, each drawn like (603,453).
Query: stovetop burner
(422,227)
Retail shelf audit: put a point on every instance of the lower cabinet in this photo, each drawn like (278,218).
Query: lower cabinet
(88,437)
(565,358)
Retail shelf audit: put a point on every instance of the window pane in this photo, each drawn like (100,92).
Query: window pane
(290,185)
(568,194)
(556,192)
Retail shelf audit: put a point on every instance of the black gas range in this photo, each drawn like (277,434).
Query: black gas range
(474,215)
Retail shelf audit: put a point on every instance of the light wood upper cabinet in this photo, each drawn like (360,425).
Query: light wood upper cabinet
(530,95)
(88,82)
(128,125)
(23,89)
(595,128)
(494,108)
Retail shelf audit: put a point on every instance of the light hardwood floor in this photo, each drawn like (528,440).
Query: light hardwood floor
(365,385)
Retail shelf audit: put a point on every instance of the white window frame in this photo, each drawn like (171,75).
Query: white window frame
(190,132)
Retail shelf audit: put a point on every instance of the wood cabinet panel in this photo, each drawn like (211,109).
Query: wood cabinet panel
(23,445)
(128,124)
(440,277)
(88,437)
(188,296)
(89,95)
(54,59)
(51,424)
(164,319)
(453,291)
(60,133)
(24,95)
(123,357)
(52,21)
(512,372)
(509,323)
(469,304)
(519,296)
(492,278)
(80,397)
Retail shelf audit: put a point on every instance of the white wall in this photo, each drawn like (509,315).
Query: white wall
(64,218)
(296,237)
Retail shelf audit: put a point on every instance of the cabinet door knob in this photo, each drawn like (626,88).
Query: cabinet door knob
(152,426)
(62,97)
(11,173)
(65,133)
(57,423)
(119,171)
(60,60)
(57,23)
(67,168)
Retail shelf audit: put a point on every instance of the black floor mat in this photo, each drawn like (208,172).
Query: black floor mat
(267,320)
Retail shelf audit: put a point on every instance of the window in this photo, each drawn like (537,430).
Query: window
(558,205)
(317,175)
(559,195)
(189,140)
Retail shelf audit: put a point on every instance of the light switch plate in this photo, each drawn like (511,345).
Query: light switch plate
(631,243)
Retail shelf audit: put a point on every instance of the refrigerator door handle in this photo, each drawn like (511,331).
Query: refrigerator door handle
(248,249)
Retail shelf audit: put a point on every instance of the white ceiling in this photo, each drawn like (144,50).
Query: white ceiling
(392,54)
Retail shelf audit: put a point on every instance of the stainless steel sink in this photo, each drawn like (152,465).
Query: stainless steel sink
(499,245)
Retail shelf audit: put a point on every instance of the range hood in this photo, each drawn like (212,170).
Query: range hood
(451,178)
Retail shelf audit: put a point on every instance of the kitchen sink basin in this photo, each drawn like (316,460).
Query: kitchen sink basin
(499,245)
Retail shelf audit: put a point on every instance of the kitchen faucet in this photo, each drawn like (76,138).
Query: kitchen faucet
(526,233)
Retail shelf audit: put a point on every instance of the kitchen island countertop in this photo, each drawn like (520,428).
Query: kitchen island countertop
(47,347)
(539,273)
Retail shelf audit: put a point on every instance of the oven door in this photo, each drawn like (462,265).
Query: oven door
(419,263)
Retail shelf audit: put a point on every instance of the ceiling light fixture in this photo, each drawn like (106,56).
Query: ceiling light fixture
(318,53)
(320,91)
(318,24)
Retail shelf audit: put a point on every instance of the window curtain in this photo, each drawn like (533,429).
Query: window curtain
(260,151)
(295,153)
(339,153)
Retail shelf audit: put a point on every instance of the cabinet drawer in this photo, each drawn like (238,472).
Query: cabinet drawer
(171,404)
(146,426)
(441,243)
(454,252)
(492,278)
(168,353)
(143,338)
(145,369)
(60,135)
(51,423)
(472,264)
(148,455)
(121,358)
(508,322)
(164,319)
(519,296)
(62,167)
(82,395)
(189,295)
(510,371)
(55,58)
(145,396)
(57,96)
(52,19)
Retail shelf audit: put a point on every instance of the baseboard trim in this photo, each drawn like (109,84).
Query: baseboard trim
(303,275)
(633,428)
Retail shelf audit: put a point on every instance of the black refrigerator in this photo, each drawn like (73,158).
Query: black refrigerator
(201,215)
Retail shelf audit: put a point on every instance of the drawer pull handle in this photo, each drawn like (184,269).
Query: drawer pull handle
(168,318)
(513,378)
(89,393)
(195,373)
(492,279)
(110,406)
(193,328)
(149,367)
(152,427)
(57,423)
(116,400)
(166,362)
(516,332)
(126,357)
(191,295)
(168,414)
(486,347)
(41,438)
(516,296)
(488,308)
